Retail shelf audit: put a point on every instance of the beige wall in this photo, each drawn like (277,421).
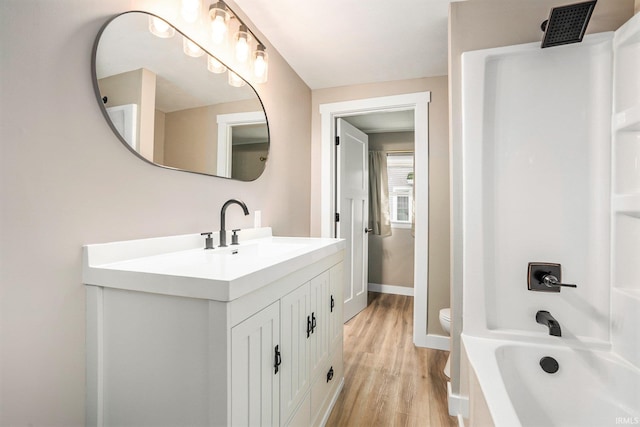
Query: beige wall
(484,24)
(158,137)
(438,292)
(199,127)
(147,114)
(191,140)
(392,141)
(391,258)
(66,181)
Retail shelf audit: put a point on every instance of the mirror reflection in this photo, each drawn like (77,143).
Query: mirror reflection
(175,105)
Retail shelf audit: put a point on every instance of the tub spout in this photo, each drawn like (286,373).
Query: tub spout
(545,318)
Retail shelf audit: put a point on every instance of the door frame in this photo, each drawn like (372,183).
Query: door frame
(226,122)
(419,103)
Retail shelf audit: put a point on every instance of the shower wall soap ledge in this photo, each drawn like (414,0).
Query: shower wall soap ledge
(628,120)
(628,204)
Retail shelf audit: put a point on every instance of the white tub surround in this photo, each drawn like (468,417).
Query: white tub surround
(536,186)
(551,174)
(250,334)
(625,201)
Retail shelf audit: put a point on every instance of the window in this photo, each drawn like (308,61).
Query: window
(400,175)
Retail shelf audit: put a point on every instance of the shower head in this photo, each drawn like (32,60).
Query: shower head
(567,24)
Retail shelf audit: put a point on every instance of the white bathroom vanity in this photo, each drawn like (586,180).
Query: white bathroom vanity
(245,335)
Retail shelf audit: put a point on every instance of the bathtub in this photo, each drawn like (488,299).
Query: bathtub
(590,388)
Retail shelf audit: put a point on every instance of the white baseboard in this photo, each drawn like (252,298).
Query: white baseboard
(436,342)
(390,289)
(458,405)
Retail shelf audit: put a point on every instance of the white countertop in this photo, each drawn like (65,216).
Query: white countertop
(180,266)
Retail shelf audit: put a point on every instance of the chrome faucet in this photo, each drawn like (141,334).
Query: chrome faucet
(223,231)
(545,318)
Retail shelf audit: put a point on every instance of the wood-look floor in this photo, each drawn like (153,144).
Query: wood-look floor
(389,381)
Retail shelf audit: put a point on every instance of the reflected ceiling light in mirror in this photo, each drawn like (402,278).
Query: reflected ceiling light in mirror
(215,66)
(190,10)
(219,17)
(191,49)
(160,28)
(235,80)
(260,65)
(242,47)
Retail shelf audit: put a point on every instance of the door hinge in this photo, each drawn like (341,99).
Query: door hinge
(337,217)
(337,140)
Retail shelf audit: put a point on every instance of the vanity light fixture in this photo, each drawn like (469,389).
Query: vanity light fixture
(160,28)
(235,80)
(191,49)
(190,10)
(219,17)
(215,66)
(260,65)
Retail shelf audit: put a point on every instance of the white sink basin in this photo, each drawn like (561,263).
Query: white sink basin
(179,265)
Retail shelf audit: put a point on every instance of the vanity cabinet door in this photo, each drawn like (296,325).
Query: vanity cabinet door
(255,369)
(295,322)
(320,306)
(336,322)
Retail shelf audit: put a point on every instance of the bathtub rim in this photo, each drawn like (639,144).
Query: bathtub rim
(481,355)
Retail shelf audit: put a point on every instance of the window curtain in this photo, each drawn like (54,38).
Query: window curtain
(379,220)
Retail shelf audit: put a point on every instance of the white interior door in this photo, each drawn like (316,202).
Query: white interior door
(123,118)
(352,205)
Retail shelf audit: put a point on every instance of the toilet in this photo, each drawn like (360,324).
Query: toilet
(445,322)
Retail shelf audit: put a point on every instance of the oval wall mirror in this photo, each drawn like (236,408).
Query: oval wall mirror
(174,104)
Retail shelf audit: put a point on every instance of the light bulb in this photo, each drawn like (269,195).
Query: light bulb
(235,80)
(160,28)
(190,10)
(242,47)
(191,49)
(219,17)
(218,29)
(260,65)
(215,66)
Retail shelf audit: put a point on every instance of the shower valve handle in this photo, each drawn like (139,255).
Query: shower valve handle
(550,281)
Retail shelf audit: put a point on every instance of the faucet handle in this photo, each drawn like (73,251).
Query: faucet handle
(546,277)
(234,237)
(550,281)
(208,242)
